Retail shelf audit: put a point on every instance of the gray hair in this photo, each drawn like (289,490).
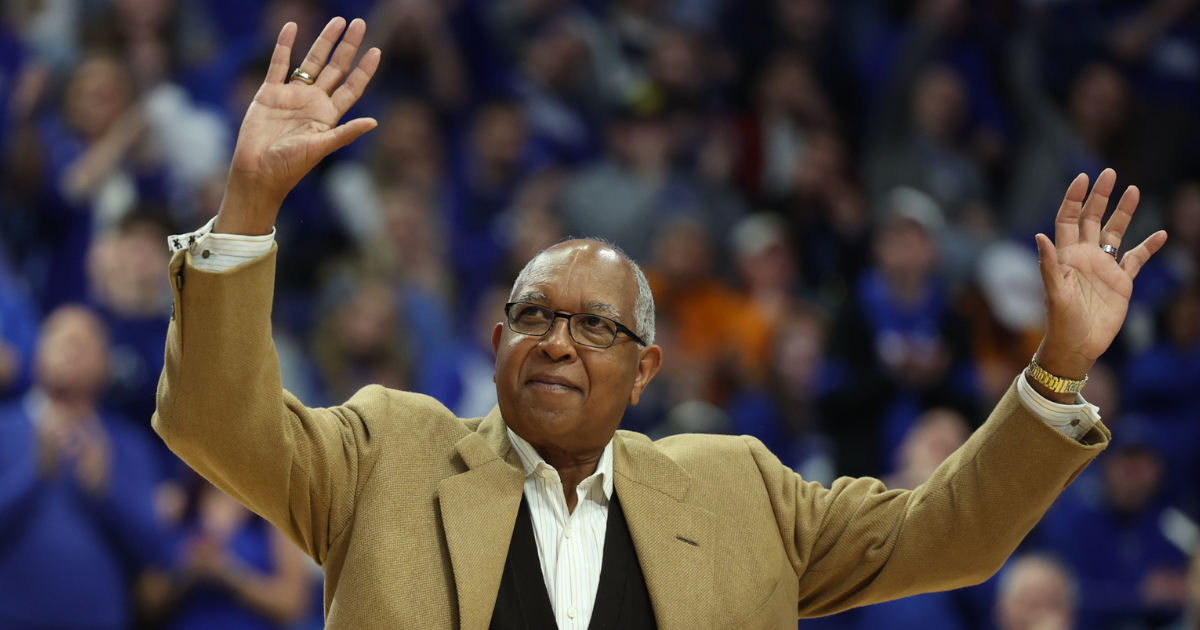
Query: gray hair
(643,309)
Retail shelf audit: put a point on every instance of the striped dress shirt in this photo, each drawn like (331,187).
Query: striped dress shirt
(218,252)
(570,544)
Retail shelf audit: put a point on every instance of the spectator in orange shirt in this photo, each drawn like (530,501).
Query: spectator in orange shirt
(720,335)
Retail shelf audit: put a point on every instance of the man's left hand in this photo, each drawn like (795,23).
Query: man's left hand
(1087,289)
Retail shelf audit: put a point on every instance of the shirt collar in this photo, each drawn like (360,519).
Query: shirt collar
(534,463)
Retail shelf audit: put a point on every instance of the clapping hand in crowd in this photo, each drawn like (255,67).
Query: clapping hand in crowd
(208,560)
(80,444)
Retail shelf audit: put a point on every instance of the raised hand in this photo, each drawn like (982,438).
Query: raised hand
(291,126)
(1087,289)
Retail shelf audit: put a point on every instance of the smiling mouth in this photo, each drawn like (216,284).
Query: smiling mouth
(551,384)
(553,388)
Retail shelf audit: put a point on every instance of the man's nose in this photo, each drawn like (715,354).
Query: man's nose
(557,342)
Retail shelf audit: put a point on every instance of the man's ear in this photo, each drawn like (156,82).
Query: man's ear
(649,360)
(497,332)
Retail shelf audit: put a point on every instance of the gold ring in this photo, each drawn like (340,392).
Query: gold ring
(300,75)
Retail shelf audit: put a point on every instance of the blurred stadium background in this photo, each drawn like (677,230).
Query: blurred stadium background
(835,201)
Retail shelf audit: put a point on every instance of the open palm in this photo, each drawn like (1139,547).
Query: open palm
(1087,290)
(291,126)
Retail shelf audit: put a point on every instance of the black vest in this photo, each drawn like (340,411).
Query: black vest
(622,600)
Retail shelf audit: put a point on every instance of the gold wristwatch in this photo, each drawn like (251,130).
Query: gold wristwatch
(1052,382)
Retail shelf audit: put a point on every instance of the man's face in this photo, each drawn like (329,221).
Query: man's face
(905,251)
(72,354)
(554,392)
(939,103)
(97,96)
(1039,599)
(1133,476)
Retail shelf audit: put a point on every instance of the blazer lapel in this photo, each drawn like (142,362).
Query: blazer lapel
(674,541)
(479,509)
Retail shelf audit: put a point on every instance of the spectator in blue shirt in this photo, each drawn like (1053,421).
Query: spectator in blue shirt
(421,58)
(77,520)
(487,173)
(234,571)
(133,296)
(552,84)
(938,122)
(96,165)
(1082,132)
(781,410)
(1109,531)
(1158,384)
(1177,265)
(361,341)
(897,348)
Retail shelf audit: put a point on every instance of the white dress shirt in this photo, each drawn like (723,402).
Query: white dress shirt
(571,544)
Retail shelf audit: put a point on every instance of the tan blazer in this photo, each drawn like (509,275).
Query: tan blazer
(410,509)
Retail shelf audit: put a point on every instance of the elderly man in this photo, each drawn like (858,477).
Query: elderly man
(542,514)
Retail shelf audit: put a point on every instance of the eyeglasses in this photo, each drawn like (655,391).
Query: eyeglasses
(595,331)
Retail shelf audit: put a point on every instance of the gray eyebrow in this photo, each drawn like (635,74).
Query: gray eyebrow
(600,308)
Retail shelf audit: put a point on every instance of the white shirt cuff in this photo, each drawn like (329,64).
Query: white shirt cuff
(1073,421)
(218,252)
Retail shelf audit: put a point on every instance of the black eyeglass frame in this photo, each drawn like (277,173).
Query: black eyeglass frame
(621,328)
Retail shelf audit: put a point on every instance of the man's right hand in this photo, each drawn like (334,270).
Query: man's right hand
(291,126)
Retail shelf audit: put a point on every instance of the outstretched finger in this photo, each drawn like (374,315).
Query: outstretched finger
(346,133)
(1066,224)
(1097,203)
(1048,263)
(343,57)
(319,53)
(350,91)
(1133,259)
(281,59)
(1114,230)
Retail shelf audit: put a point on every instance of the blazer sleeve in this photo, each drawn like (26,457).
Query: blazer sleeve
(857,543)
(223,410)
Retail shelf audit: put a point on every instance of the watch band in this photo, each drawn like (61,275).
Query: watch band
(1054,383)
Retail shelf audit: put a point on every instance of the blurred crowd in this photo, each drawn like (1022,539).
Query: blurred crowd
(835,203)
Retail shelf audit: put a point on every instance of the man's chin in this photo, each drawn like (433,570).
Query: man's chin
(557,407)
(551,417)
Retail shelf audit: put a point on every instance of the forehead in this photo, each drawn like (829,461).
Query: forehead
(73,322)
(578,273)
